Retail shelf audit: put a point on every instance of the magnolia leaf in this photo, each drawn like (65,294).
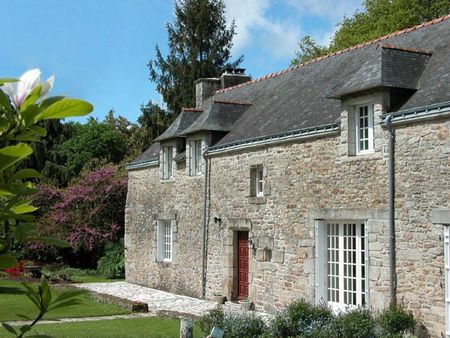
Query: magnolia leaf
(38,130)
(24,230)
(7,79)
(32,295)
(65,108)
(46,295)
(26,173)
(4,124)
(25,328)
(69,302)
(7,261)
(27,135)
(31,98)
(68,294)
(9,328)
(49,101)
(23,208)
(20,189)
(23,316)
(5,101)
(13,154)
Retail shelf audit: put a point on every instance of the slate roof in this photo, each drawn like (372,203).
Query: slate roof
(184,120)
(298,97)
(219,116)
(151,154)
(301,97)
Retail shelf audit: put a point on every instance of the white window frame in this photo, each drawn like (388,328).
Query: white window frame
(195,165)
(167,162)
(364,124)
(447,278)
(332,264)
(257,181)
(164,240)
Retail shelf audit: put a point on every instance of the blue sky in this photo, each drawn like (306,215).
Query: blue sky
(98,50)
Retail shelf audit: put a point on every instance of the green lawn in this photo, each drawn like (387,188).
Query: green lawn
(13,302)
(150,327)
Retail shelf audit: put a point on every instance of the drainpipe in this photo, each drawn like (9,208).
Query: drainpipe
(205,227)
(391,192)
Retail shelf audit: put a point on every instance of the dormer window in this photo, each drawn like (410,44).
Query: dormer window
(167,163)
(195,167)
(364,129)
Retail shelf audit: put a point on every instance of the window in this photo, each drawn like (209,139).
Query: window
(257,181)
(164,241)
(342,264)
(364,129)
(167,162)
(196,157)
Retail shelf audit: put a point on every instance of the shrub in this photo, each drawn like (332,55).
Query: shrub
(112,264)
(303,319)
(235,325)
(358,323)
(395,321)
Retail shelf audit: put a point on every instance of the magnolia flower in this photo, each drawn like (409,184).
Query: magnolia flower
(18,91)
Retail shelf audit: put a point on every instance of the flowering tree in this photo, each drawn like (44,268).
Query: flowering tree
(88,214)
(22,106)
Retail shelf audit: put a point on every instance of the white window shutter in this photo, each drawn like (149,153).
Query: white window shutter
(321,261)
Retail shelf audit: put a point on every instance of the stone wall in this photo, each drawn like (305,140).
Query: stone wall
(180,199)
(304,182)
(317,180)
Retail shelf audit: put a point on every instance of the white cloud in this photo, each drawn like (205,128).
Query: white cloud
(255,28)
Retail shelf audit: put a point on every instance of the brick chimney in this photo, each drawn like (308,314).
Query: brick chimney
(232,77)
(205,88)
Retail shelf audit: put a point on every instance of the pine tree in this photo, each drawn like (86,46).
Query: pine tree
(199,46)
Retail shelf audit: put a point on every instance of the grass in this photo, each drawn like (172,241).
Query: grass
(14,302)
(78,275)
(151,327)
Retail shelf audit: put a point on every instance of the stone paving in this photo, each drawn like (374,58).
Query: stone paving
(161,302)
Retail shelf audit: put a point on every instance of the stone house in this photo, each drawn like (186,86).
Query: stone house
(327,181)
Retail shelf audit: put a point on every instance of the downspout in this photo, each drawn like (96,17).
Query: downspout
(205,227)
(391,193)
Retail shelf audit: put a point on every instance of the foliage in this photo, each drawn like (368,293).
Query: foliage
(378,18)
(395,321)
(93,144)
(18,270)
(309,49)
(153,121)
(88,214)
(21,109)
(42,299)
(303,319)
(199,46)
(357,323)
(112,264)
(235,325)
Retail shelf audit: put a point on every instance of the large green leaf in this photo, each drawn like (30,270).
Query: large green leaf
(23,208)
(49,101)
(4,101)
(9,328)
(7,261)
(65,108)
(31,98)
(26,173)
(4,124)
(49,240)
(7,79)
(24,230)
(13,154)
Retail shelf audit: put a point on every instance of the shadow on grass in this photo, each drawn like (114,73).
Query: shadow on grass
(11,291)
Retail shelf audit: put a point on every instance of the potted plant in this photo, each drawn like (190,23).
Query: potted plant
(245,304)
(219,298)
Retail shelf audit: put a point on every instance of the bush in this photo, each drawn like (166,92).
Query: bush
(304,320)
(235,325)
(358,323)
(395,321)
(18,270)
(112,264)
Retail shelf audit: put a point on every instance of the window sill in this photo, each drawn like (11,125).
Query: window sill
(167,180)
(164,264)
(196,177)
(373,156)
(257,200)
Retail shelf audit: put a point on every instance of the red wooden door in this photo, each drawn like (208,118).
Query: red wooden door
(242,264)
